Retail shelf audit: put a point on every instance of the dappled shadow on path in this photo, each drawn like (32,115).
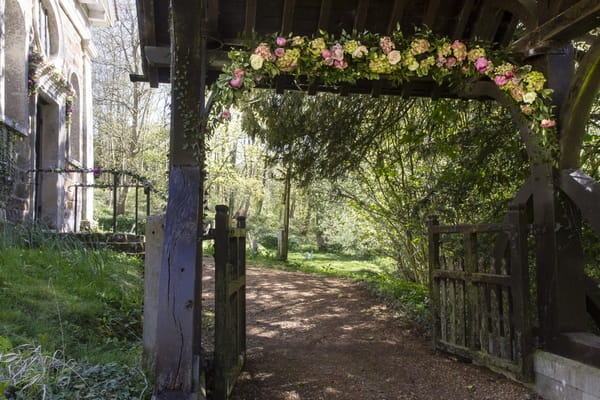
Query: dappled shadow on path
(312,337)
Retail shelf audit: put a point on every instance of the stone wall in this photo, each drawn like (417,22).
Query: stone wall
(45,135)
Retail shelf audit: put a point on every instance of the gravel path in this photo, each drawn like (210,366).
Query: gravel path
(312,337)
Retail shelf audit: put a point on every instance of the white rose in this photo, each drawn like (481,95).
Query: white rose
(360,51)
(529,97)
(394,57)
(256,61)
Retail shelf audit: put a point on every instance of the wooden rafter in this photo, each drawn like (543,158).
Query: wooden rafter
(324,14)
(431,13)
(397,13)
(213,15)
(582,93)
(488,22)
(250,20)
(287,16)
(146,25)
(524,10)
(360,19)
(573,22)
(463,19)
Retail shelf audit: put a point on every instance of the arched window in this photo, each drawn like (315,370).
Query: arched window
(47,28)
(15,59)
(74,138)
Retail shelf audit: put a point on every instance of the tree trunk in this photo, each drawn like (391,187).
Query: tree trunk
(286,215)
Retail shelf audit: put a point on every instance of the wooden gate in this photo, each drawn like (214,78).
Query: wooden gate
(479,287)
(230,301)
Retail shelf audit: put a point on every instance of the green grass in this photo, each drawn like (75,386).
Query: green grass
(377,273)
(72,308)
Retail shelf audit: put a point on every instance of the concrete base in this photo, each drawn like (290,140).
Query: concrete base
(559,378)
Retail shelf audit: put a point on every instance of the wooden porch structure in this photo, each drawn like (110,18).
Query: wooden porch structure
(185,43)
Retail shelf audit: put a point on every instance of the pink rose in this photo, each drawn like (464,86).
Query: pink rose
(337,52)
(340,64)
(236,82)
(450,62)
(226,115)
(481,64)
(500,80)
(326,53)
(238,72)
(547,123)
(279,52)
(280,41)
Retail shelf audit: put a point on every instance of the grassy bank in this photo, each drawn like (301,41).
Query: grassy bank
(71,321)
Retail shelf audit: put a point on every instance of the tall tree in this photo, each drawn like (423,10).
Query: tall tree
(126,113)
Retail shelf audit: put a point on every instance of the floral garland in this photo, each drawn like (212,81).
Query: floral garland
(97,171)
(39,67)
(369,56)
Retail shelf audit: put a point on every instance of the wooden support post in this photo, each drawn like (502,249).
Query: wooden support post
(434,286)
(559,259)
(520,286)
(178,362)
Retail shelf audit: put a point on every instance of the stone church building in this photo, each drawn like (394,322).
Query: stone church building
(46,123)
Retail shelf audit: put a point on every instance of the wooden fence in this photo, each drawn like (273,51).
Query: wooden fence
(479,285)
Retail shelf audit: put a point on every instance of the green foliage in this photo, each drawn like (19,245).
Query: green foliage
(86,303)
(28,373)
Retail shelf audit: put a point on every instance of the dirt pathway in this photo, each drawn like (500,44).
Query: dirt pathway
(312,337)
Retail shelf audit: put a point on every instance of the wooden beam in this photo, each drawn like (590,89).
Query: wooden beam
(463,19)
(250,20)
(213,16)
(576,109)
(324,14)
(431,13)
(487,23)
(397,13)
(571,23)
(287,19)
(525,10)
(360,18)
(178,340)
(147,32)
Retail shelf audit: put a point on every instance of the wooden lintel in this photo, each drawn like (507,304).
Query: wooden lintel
(360,18)
(431,13)
(571,23)
(463,19)
(288,16)
(397,13)
(324,14)
(250,20)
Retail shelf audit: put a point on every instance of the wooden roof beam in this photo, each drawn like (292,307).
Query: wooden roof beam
(431,13)
(571,23)
(147,28)
(250,20)
(525,10)
(324,14)
(360,19)
(463,19)
(287,18)
(397,13)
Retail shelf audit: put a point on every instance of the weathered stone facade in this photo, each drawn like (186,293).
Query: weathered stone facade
(46,108)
